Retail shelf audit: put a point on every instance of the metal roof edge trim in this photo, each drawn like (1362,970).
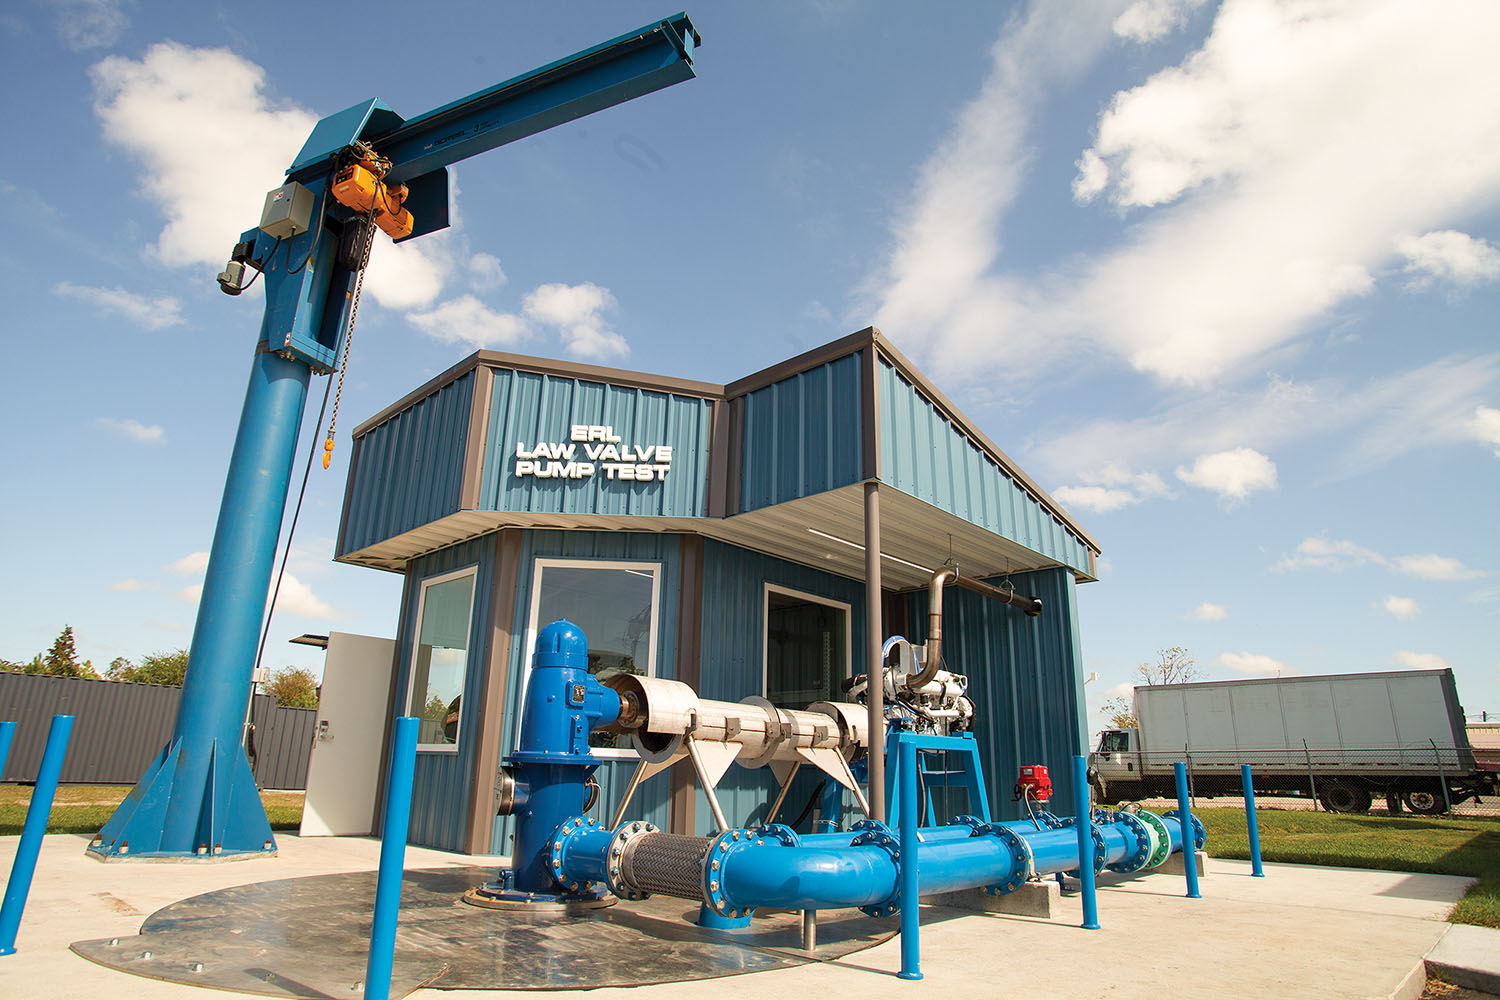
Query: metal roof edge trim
(803,362)
(923,384)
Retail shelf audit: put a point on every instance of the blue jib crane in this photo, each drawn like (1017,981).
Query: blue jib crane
(362,168)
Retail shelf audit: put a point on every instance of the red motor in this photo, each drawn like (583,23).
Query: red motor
(1034,782)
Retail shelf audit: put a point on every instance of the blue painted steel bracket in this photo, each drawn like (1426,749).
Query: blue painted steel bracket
(971,773)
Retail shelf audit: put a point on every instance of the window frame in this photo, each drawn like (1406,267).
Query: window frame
(765,630)
(539,566)
(416,643)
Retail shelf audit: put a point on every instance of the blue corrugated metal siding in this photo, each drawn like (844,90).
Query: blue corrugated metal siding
(439,803)
(802,435)
(527,408)
(651,802)
(923,454)
(732,657)
(408,471)
(1024,680)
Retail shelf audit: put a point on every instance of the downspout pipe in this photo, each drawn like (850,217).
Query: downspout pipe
(1030,606)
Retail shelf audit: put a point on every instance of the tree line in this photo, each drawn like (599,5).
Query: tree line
(293,687)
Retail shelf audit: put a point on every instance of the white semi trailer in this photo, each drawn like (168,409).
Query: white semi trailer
(1344,737)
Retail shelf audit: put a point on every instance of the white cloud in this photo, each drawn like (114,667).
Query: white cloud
(1321,552)
(1098,499)
(1448,256)
(1270,172)
(190,595)
(412,274)
(148,313)
(1148,20)
(1233,474)
(1401,607)
(575,310)
(190,564)
(1256,665)
(1376,421)
(485,272)
(1486,427)
(209,140)
(1124,689)
(1419,661)
(89,24)
(1111,487)
(297,598)
(1435,567)
(466,320)
(135,430)
(1207,612)
(131,585)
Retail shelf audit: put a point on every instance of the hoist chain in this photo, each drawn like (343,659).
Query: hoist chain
(359,284)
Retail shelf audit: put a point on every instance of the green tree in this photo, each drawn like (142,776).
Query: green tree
(1172,666)
(59,661)
(1120,713)
(294,687)
(167,668)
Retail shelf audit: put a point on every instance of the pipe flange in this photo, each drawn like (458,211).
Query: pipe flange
(1050,820)
(624,835)
(779,832)
(1161,845)
(1101,853)
(972,822)
(874,834)
(561,841)
(1135,860)
(1023,866)
(719,850)
(1200,835)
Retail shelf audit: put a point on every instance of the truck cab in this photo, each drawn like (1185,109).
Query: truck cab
(1116,760)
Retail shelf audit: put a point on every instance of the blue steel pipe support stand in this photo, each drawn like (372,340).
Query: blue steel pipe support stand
(1085,829)
(1251,827)
(1185,817)
(198,797)
(18,886)
(7,732)
(911,945)
(392,859)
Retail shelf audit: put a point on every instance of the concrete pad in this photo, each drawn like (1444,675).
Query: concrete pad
(1175,865)
(1299,932)
(1468,956)
(1032,899)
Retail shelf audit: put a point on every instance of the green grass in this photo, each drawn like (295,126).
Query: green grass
(1448,846)
(85,808)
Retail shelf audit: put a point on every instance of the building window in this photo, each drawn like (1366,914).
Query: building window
(615,603)
(440,660)
(807,648)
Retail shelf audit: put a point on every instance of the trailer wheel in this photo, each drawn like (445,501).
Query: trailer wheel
(1344,797)
(1424,801)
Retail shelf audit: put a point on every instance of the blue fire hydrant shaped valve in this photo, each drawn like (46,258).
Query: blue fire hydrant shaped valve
(564,702)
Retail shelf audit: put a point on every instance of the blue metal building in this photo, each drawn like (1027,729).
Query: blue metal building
(716,534)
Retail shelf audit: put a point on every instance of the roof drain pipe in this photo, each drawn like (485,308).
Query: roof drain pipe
(1030,606)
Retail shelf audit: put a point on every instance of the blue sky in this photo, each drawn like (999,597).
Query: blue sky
(1223,277)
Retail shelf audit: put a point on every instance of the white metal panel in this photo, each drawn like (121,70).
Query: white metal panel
(1421,710)
(345,769)
(1209,722)
(1363,706)
(1257,717)
(1163,718)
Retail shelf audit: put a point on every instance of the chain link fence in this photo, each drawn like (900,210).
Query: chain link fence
(1427,781)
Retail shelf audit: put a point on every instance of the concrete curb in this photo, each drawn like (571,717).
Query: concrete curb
(1467,956)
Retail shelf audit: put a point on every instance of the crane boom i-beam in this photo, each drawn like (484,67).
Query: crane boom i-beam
(198,797)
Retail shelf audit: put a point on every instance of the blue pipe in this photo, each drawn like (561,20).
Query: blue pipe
(7,731)
(392,859)
(1251,827)
(911,899)
(18,886)
(1185,815)
(1084,828)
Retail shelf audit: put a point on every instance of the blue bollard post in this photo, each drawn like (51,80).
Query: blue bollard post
(1085,826)
(21,870)
(1189,844)
(7,731)
(392,859)
(911,947)
(1250,825)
